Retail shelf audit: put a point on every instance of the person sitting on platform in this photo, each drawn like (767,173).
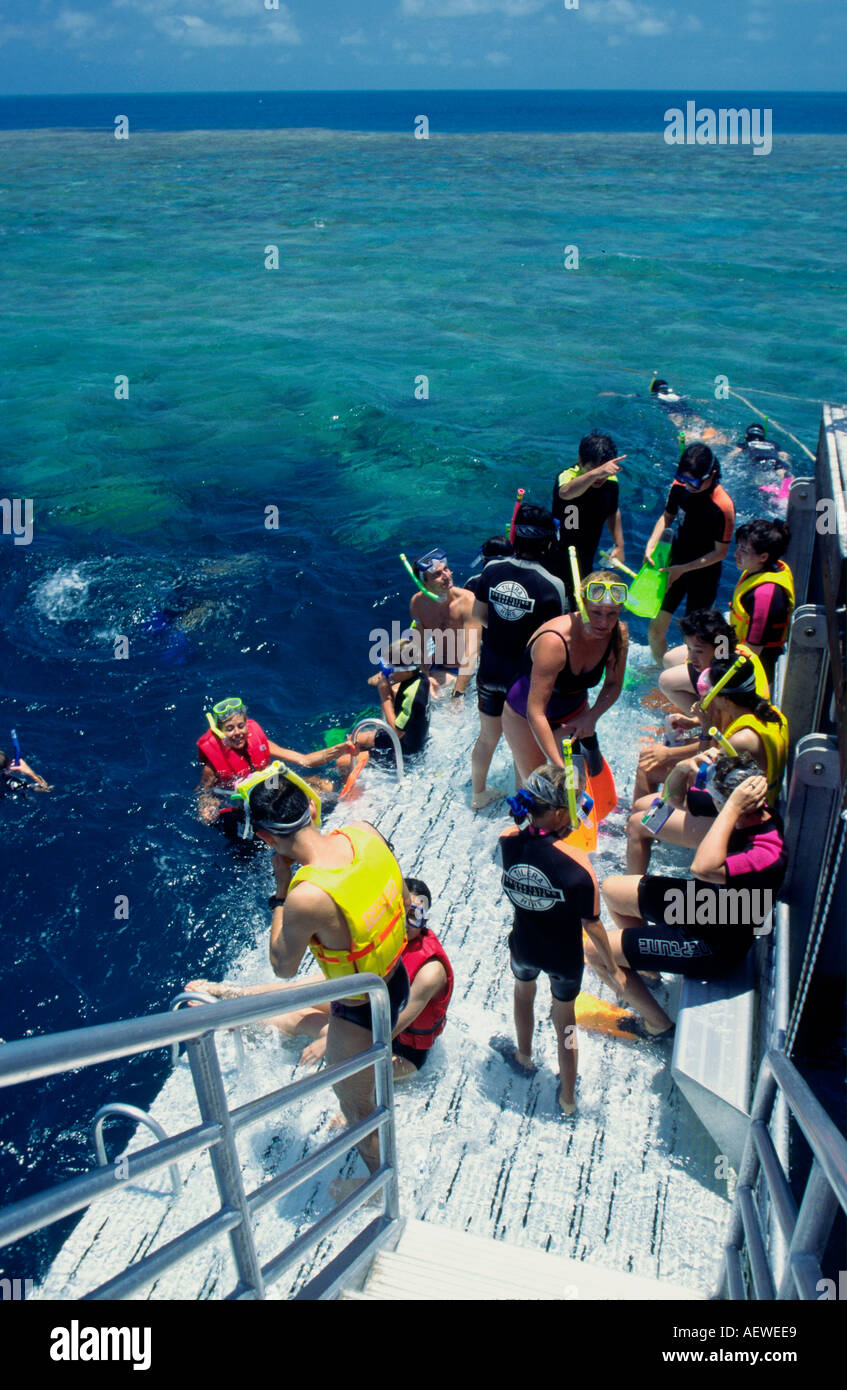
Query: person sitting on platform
(763,600)
(702,927)
(708,637)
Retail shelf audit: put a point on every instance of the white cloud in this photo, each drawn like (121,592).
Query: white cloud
(497,59)
(75,23)
(631,17)
(236,23)
(358,39)
(460,9)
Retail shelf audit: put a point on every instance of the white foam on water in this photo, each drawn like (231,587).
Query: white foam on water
(63,595)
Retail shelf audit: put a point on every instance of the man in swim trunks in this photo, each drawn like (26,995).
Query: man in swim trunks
(743,850)
(419,1023)
(585,498)
(446,623)
(347,904)
(515,597)
(703,540)
(553,889)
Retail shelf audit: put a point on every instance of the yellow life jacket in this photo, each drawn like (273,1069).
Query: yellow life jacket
(774,736)
(763,689)
(739,617)
(369,892)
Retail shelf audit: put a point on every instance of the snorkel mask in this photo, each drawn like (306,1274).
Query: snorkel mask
(606,592)
(426,562)
(539,794)
(716,689)
(416,916)
(241,799)
(224,710)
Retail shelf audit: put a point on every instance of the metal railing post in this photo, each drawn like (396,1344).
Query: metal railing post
(211,1097)
(118,1108)
(814,1223)
(384,1095)
(384,728)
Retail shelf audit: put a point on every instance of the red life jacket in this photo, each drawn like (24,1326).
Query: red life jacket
(432,1019)
(229,765)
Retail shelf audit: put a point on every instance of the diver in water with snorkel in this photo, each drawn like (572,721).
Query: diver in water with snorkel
(234,746)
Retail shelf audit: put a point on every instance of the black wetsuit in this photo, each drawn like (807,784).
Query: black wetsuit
(708,520)
(762,452)
(411,717)
(521,595)
(756,860)
(593,509)
(553,889)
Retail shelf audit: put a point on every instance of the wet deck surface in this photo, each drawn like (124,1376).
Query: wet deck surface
(629,1183)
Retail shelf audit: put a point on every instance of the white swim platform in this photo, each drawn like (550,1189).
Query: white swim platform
(627,1187)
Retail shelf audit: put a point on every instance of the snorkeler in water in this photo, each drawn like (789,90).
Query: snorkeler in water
(18,776)
(234,746)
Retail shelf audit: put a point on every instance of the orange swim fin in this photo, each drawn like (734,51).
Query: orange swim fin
(600,1017)
(361,759)
(585,836)
(602,787)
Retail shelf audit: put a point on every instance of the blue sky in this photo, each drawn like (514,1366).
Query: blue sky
(230,45)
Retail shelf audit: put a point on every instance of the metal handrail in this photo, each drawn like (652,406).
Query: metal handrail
(193,997)
(805,1231)
(27,1059)
(392,734)
(141,1117)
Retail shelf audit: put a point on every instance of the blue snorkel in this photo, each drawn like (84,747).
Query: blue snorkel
(17,746)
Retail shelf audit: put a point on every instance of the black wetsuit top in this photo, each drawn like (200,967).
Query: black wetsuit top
(553,888)
(593,510)
(521,595)
(762,451)
(411,713)
(708,520)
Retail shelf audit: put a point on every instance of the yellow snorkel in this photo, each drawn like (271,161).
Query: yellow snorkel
(276,769)
(570,777)
(724,743)
(716,689)
(577,586)
(213,726)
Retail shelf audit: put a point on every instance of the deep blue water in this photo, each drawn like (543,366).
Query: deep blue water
(449,112)
(295,389)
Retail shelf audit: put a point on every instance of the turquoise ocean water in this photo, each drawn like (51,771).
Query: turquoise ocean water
(294,388)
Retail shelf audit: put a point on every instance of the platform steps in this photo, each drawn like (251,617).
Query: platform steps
(437,1264)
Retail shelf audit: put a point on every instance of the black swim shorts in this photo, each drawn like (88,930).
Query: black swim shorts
(565,988)
(416,1055)
(698,587)
(360,1014)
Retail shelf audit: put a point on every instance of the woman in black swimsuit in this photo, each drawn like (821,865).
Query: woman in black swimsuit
(564,659)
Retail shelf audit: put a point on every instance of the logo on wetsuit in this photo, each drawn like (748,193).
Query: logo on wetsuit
(658,946)
(510,600)
(528,887)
